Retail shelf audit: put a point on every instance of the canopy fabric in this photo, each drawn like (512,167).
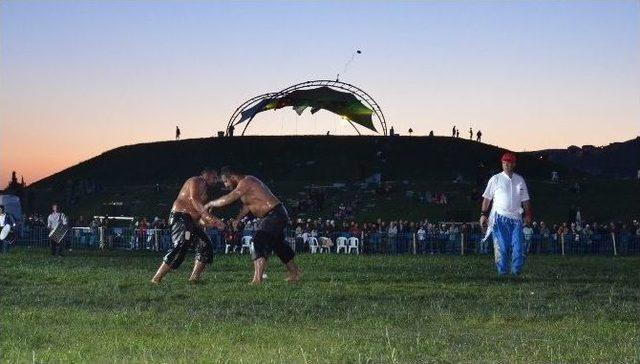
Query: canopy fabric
(341,103)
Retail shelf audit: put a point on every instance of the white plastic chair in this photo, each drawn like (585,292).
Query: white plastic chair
(313,244)
(341,243)
(227,246)
(247,242)
(354,243)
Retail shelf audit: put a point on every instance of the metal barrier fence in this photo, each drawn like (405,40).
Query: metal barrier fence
(159,240)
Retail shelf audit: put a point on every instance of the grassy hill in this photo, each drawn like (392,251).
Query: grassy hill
(616,160)
(300,158)
(146,177)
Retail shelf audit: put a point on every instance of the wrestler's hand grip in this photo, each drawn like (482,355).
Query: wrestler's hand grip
(208,207)
(209,221)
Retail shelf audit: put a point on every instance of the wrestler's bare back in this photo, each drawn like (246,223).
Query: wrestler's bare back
(256,196)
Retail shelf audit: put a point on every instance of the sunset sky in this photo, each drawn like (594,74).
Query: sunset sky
(78,78)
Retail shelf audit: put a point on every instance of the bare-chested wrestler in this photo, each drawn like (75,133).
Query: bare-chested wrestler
(187,219)
(258,200)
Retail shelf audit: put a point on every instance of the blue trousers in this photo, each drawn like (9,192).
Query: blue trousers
(507,245)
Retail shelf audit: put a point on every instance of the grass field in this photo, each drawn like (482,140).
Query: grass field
(99,307)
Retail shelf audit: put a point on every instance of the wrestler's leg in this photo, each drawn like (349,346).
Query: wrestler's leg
(282,249)
(293,272)
(176,254)
(259,266)
(261,248)
(198,269)
(204,255)
(162,271)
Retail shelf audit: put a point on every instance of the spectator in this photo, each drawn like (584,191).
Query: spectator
(141,233)
(443,199)
(479,136)
(527,231)
(392,233)
(354,230)
(453,233)
(421,235)
(229,236)
(470,134)
(6,220)
(587,232)
(53,221)
(625,239)
(177,133)
(544,231)
(578,216)
(563,230)
(428,197)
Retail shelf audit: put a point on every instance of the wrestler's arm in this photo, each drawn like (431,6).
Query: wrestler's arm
(229,198)
(198,189)
(243,212)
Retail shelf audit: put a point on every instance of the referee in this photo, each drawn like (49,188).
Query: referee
(510,197)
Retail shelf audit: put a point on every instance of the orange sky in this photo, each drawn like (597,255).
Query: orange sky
(80,78)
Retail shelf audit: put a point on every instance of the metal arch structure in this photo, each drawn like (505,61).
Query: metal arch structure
(334,84)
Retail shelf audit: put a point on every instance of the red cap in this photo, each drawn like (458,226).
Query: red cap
(508,157)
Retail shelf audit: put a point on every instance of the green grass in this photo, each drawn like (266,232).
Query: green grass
(99,307)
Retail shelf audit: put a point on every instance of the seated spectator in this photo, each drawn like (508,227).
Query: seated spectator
(325,243)
(354,230)
(229,236)
(528,237)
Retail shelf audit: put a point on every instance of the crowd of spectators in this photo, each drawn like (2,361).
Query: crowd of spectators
(574,230)
(390,231)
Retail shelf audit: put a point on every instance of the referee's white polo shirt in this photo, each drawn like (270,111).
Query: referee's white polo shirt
(507,194)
